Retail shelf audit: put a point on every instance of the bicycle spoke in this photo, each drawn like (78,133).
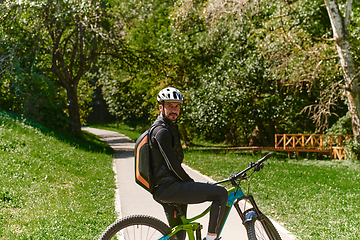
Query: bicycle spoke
(138,232)
(260,231)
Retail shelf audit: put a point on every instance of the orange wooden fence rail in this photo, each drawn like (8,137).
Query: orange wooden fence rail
(333,144)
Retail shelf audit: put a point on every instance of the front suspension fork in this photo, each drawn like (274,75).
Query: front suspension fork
(255,208)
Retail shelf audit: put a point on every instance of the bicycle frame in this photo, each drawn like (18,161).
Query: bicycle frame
(234,196)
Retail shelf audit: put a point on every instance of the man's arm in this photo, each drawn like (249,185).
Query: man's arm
(164,140)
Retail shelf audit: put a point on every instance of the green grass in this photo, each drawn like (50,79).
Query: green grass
(131,132)
(313,199)
(53,186)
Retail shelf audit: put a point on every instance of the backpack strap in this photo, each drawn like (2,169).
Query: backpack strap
(152,127)
(155,125)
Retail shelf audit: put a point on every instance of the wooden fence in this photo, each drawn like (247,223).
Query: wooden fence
(332,144)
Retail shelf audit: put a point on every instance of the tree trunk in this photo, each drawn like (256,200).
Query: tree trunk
(74,110)
(340,26)
(187,143)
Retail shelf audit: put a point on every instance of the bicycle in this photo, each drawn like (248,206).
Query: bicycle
(257,225)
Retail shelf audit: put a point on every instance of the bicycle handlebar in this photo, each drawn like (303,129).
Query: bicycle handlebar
(242,173)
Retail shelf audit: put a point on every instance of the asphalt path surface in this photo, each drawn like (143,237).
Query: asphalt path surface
(131,199)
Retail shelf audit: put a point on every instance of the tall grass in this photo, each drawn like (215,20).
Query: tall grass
(51,188)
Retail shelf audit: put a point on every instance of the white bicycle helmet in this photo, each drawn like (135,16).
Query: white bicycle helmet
(170,94)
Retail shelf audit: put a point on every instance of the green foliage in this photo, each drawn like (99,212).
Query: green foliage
(247,72)
(353,149)
(9,100)
(41,100)
(59,41)
(237,97)
(85,95)
(342,126)
(354,29)
(32,94)
(50,189)
(128,98)
(130,89)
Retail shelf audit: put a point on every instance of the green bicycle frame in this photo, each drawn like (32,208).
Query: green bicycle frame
(190,226)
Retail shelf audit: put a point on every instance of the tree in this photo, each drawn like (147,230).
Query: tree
(244,66)
(239,88)
(225,58)
(63,40)
(130,89)
(340,26)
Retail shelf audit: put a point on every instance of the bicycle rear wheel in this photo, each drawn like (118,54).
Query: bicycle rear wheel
(137,227)
(262,230)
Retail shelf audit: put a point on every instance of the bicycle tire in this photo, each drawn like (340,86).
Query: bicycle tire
(262,230)
(136,227)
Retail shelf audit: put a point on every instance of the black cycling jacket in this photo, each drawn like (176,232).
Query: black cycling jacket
(166,153)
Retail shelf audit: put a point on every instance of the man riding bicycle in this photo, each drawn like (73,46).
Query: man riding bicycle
(172,185)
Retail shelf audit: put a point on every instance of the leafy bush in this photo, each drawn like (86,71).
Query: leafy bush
(353,149)
(342,126)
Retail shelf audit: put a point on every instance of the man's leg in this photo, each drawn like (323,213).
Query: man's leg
(194,192)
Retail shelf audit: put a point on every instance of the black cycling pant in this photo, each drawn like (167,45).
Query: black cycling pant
(190,193)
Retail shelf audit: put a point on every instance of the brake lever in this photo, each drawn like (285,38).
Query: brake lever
(235,176)
(258,167)
(239,178)
(261,166)
(232,176)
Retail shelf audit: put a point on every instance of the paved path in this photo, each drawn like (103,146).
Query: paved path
(131,199)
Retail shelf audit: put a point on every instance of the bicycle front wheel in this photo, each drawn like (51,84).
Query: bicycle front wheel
(137,227)
(262,230)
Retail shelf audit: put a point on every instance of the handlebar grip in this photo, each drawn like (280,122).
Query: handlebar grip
(266,157)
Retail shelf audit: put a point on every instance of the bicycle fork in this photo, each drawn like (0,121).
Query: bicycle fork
(252,213)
